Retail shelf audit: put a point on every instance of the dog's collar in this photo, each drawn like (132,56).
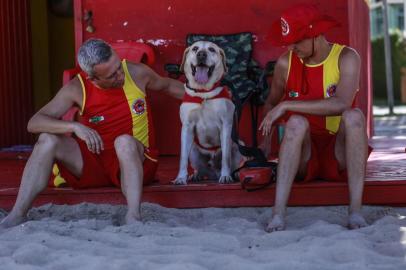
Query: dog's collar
(217,84)
(219,92)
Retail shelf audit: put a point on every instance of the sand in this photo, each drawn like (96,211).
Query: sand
(88,236)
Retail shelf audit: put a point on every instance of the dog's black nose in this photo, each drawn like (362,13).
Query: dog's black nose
(201,56)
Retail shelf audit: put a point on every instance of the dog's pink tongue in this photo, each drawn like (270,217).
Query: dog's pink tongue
(201,76)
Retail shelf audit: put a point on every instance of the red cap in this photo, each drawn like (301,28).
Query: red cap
(299,22)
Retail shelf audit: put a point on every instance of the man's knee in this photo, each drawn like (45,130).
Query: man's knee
(353,118)
(296,127)
(127,145)
(48,141)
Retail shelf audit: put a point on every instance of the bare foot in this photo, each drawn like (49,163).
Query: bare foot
(356,221)
(12,220)
(131,218)
(276,224)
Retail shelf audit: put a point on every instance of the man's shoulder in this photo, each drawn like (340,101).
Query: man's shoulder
(283,61)
(136,67)
(348,56)
(73,88)
(284,57)
(131,64)
(138,71)
(349,52)
(73,84)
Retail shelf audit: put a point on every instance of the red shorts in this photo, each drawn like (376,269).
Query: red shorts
(323,163)
(103,170)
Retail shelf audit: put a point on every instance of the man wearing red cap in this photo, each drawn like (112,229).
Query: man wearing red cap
(313,91)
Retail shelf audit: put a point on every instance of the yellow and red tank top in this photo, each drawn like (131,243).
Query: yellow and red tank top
(313,82)
(114,112)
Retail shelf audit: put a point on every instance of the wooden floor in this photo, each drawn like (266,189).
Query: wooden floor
(385,185)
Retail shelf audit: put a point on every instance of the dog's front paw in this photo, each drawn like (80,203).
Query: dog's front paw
(226,179)
(180,180)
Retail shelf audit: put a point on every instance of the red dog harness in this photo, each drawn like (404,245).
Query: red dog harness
(224,93)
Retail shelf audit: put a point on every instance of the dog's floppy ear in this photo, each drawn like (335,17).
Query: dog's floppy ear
(223,60)
(184,59)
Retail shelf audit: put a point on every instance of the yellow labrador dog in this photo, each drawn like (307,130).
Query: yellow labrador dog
(207,116)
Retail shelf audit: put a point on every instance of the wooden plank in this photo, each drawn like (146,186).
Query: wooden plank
(213,195)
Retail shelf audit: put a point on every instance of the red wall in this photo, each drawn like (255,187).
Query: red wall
(16,106)
(358,20)
(164,25)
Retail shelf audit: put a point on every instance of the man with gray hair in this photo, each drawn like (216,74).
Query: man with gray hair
(113,141)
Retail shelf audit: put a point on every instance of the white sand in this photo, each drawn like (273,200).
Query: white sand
(86,236)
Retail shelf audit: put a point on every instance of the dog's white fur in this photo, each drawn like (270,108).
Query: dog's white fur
(211,121)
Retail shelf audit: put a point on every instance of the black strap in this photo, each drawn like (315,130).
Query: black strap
(257,157)
(248,151)
(254,98)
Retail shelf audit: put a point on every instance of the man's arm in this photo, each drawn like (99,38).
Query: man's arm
(276,95)
(278,82)
(47,119)
(347,87)
(155,82)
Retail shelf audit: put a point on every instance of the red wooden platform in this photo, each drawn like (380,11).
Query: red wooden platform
(385,185)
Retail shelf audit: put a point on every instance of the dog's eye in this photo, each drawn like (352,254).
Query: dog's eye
(211,49)
(195,49)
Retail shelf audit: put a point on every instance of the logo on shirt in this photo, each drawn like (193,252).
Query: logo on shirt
(331,90)
(138,106)
(293,94)
(285,27)
(96,119)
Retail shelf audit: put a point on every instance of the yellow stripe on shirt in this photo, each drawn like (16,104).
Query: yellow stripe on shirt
(138,107)
(331,77)
(83,93)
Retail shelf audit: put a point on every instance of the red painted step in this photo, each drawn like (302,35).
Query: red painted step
(385,185)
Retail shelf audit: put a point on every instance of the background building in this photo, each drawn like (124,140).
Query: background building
(396,17)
